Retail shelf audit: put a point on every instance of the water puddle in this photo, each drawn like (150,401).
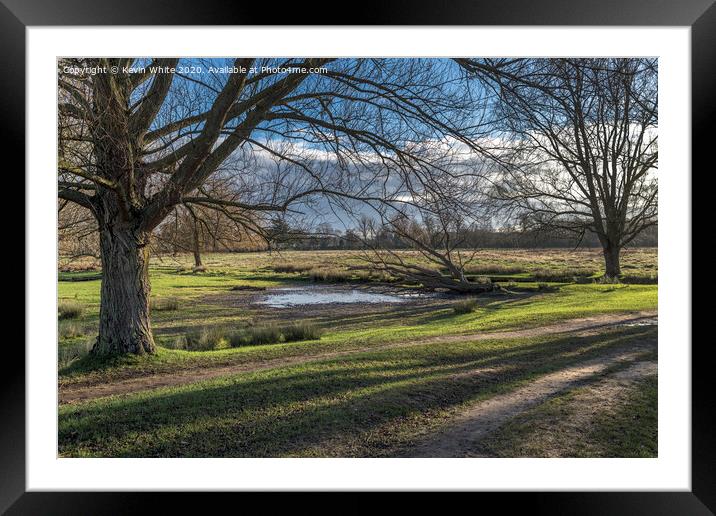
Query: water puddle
(287,297)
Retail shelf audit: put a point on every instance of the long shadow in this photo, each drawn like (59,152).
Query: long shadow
(293,408)
(488,305)
(349,320)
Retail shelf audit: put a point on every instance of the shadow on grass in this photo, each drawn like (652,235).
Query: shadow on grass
(487,304)
(285,411)
(410,314)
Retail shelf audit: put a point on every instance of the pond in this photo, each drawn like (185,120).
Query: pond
(287,297)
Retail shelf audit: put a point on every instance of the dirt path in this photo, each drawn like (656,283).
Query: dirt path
(469,428)
(568,431)
(587,325)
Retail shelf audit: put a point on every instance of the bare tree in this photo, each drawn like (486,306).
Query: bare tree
(439,243)
(140,137)
(435,224)
(578,149)
(199,225)
(76,233)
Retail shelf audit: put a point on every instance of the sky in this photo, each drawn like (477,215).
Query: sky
(195,87)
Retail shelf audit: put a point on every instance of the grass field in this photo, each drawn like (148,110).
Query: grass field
(355,380)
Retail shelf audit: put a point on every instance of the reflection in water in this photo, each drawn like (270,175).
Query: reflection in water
(284,298)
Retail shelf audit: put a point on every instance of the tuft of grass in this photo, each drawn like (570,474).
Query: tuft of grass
(69,309)
(291,267)
(331,274)
(69,329)
(70,353)
(465,307)
(301,331)
(215,338)
(274,334)
(208,338)
(164,304)
(352,274)
(255,336)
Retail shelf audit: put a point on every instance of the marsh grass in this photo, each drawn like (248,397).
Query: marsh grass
(274,334)
(164,304)
(466,306)
(330,274)
(301,331)
(70,353)
(342,273)
(69,310)
(215,338)
(70,329)
(291,267)
(575,275)
(207,338)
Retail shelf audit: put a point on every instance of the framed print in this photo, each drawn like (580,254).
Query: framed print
(419,251)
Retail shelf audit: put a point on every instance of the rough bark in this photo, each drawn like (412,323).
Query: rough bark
(611,260)
(124,309)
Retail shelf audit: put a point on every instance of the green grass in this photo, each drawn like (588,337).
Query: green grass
(567,425)
(493,313)
(79,276)
(375,403)
(633,430)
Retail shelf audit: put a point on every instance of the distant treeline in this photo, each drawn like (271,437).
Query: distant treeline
(329,238)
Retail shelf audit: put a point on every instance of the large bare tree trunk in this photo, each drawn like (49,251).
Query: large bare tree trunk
(611,261)
(124,310)
(114,127)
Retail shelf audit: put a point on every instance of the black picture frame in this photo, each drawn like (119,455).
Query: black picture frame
(700,15)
